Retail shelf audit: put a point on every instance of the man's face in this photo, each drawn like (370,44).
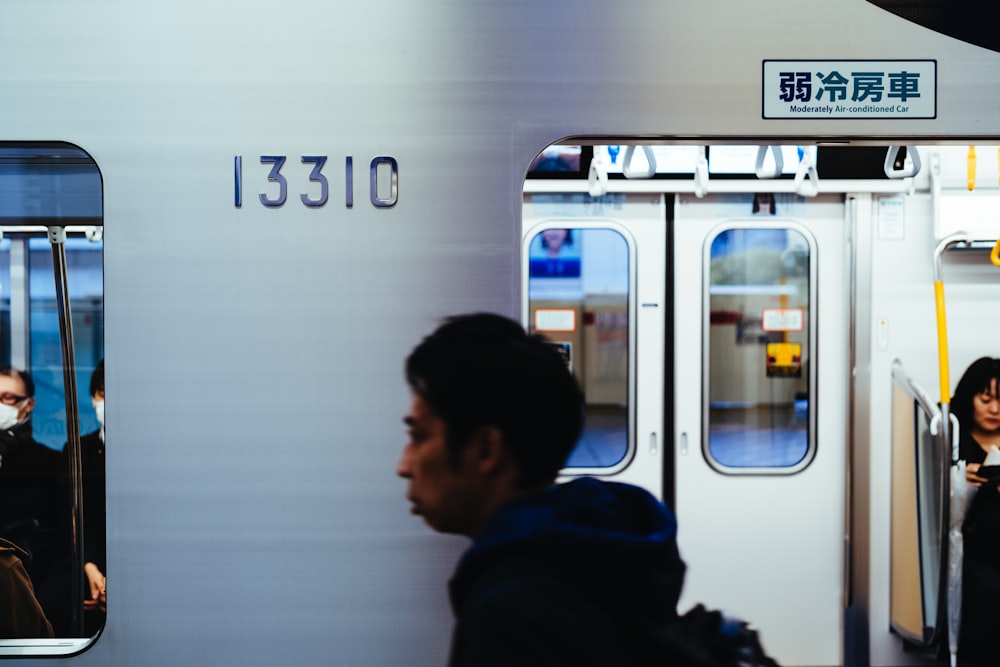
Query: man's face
(12,392)
(444,496)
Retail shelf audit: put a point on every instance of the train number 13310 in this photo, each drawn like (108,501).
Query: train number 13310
(383,182)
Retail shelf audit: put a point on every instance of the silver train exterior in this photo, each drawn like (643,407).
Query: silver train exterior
(254,350)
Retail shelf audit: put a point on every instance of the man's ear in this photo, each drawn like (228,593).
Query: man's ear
(26,409)
(489,449)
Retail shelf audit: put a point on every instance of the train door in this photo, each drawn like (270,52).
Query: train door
(594,271)
(761,321)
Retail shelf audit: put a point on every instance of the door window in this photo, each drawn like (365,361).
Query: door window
(578,297)
(759,348)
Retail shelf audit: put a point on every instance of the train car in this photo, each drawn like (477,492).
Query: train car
(730,217)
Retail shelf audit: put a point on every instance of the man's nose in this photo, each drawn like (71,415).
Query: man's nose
(403,465)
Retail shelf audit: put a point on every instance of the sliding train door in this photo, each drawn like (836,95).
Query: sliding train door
(761,295)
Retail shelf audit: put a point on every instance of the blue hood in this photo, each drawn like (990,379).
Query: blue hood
(603,533)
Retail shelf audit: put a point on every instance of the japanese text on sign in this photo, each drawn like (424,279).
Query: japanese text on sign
(850,89)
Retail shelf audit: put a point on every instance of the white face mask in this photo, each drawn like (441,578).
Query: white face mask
(99,409)
(8,416)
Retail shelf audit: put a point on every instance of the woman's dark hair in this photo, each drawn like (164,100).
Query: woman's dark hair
(978,377)
(485,370)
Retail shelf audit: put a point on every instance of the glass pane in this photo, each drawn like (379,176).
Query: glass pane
(85,278)
(578,296)
(759,348)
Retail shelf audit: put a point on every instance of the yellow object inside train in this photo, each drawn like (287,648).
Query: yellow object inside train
(784,360)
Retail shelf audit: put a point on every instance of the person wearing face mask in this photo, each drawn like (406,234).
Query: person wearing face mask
(95,532)
(34,500)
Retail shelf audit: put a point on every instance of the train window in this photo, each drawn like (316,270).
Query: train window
(678,161)
(578,296)
(759,287)
(51,331)
(742,160)
(558,159)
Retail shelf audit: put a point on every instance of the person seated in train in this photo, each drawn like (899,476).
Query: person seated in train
(34,499)
(976,404)
(94,528)
(556,574)
(21,615)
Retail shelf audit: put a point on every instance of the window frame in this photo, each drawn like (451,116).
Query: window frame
(812,384)
(597,223)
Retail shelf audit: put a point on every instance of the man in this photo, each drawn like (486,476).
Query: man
(34,499)
(575,574)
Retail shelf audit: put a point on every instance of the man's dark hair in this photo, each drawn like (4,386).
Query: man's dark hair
(24,376)
(485,370)
(97,379)
(976,379)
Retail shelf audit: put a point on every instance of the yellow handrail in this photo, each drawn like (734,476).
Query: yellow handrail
(942,334)
(995,254)
(970,162)
(945,381)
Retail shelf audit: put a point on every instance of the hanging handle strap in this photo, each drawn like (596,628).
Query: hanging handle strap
(806,176)
(779,162)
(904,172)
(597,177)
(701,174)
(639,173)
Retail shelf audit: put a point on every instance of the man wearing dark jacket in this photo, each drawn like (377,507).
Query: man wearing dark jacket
(574,574)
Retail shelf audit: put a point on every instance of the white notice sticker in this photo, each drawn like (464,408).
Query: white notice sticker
(555,319)
(781,319)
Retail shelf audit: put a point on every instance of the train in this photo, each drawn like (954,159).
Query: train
(731,219)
